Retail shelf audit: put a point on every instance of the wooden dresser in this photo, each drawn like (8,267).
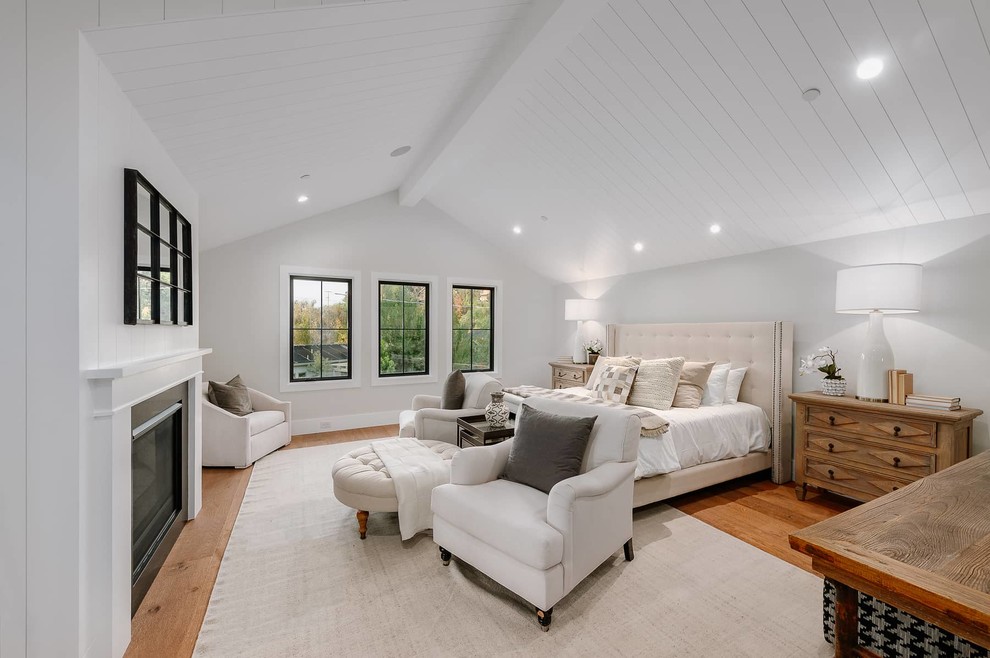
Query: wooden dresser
(864,450)
(565,374)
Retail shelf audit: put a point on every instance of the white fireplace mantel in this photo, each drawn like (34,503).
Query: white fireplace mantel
(114,389)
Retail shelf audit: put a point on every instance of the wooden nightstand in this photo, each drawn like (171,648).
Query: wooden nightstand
(566,374)
(864,450)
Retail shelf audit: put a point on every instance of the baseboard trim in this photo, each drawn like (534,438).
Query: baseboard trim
(349,422)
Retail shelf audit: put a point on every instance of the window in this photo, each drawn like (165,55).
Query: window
(403,328)
(157,256)
(473,328)
(320,326)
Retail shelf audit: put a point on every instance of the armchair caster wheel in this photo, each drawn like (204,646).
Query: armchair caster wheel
(445,556)
(628,548)
(544,617)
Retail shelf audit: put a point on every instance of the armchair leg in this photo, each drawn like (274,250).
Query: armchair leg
(628,548)
(362,518)
(445,556)
(544,617)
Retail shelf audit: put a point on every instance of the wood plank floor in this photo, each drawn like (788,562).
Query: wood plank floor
(752,509)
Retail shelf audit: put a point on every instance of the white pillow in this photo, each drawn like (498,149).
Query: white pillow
(734,385)
(714,394)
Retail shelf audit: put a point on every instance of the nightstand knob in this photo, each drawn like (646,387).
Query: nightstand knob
(831,420)
(831,474)
(897,462)
(831,447)
(897,430)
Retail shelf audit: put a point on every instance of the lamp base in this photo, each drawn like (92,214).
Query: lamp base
(874,362)
(580,354)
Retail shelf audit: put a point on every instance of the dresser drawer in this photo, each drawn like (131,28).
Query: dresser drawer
(917,432)
(851,481)
(840,449)
(569,374)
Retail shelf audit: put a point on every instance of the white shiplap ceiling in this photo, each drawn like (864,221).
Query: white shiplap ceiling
(650,121)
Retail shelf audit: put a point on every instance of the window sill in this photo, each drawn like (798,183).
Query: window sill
(400,380)
(290,387)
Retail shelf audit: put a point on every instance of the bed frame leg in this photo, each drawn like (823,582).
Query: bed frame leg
(628,548)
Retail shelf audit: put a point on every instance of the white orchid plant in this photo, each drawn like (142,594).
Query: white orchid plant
(594,346)
(822,361)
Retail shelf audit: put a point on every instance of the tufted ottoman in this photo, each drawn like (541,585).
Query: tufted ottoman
(361,481)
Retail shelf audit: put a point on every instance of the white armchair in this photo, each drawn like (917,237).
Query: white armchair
(239,441)
(428,422)
(540,545)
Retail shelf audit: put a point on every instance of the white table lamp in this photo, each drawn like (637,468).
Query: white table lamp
(877,290)
(580,310)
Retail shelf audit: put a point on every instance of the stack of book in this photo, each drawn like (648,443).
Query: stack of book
(901,385)
(933,402)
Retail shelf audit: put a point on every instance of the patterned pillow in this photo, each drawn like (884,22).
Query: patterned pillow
(656,383)
(615,383)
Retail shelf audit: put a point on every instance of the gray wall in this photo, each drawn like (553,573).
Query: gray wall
(239,298)
(947,345)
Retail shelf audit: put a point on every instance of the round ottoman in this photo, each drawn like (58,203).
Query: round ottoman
(361,481)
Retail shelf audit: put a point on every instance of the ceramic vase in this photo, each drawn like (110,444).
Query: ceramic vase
(834,387)
(496,413)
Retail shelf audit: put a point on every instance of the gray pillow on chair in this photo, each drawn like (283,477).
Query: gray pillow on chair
(547,448)
(232,396)
(453,391)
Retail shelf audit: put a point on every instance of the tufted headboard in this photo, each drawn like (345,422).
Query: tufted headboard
(765,347)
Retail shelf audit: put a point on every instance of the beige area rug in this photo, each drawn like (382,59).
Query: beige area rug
(297,581)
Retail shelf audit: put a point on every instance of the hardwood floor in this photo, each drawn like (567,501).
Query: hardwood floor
(752,509)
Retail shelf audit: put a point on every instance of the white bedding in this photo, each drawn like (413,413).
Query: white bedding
(702,435)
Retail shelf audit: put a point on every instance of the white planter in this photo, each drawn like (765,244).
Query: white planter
(834,387)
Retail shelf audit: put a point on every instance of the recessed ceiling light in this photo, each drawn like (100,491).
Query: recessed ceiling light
(302,198)
(810,94)
(715,228)
(869,68)
(638,246)
(517,229)
(402,150)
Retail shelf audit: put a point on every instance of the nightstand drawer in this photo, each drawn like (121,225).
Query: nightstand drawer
(918,432)
(852,481)
(841,450)
(566,383)
(569,374)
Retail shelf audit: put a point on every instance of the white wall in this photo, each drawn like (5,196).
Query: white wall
(947,345)
(240,300)
(112,137)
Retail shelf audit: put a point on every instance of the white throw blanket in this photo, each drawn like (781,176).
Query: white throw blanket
(415,471)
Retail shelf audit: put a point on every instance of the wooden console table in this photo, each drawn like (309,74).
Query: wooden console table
(924,549)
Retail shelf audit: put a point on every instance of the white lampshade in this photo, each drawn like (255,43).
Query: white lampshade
(889,288)
(580,309)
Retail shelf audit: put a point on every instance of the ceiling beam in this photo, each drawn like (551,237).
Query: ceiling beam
(546,30)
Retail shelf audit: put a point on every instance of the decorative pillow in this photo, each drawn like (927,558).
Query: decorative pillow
(694,376)
(615,383)
(453,391)
(734,384)
(609,361)
(232,396)
(547,448)
(714,393)
(656,383)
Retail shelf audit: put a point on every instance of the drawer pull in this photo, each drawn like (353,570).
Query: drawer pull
(831,474)
(897,462)
(895,488)
(897,430)
(831,447)
(831,420)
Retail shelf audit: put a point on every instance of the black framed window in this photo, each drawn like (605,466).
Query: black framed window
(320,322)
(403,328)
(158,273)
(473,328)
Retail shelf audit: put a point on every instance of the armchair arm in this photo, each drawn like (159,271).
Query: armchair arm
(479,464)
(596,482)
(263,402)
(449,415)
(226,437)
(425,402)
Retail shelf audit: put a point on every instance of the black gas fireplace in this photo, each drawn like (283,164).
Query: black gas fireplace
(158,484)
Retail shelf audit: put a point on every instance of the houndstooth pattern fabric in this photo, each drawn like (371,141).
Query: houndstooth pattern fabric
(893,633)
(615,383)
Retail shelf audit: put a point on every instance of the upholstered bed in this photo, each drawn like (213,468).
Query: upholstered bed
(700,448)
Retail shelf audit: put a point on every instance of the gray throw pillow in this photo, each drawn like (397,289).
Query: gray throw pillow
(453,391)
(232,396)
(547,448)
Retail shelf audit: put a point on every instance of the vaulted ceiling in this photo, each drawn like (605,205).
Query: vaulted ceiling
(620,122)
